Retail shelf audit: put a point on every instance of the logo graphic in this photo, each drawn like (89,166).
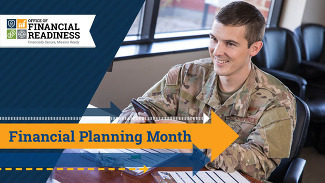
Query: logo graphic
(17,29)
(51,31)
(11,23)
(21,23)
(22,34)
(11,29)
(11,34)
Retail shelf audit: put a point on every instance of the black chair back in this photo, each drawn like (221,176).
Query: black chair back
(299,137)
(281,50)
(312,42)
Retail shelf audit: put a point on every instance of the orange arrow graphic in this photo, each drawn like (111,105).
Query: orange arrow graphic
(145,169)
(216,136)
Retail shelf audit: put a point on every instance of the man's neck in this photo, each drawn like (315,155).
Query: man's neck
(235,81)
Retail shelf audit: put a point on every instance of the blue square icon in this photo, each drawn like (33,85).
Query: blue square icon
(11,23)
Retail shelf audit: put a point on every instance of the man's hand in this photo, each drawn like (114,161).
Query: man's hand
(140,118)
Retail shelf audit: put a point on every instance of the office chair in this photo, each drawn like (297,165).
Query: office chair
(312,45)
(281,53)
(290,169)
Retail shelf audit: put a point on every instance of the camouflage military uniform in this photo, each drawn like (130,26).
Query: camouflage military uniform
(262,112)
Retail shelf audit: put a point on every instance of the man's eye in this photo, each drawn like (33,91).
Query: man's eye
(231,44)
(213,38)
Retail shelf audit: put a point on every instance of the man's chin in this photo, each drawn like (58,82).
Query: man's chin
(220,71)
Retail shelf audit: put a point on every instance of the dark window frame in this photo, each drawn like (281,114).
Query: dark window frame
(274,13)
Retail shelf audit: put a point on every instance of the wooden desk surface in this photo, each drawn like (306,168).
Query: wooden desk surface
(99,176)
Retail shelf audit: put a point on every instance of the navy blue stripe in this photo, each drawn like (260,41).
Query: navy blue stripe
(60,78)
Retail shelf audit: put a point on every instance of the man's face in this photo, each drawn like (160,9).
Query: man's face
(229,51)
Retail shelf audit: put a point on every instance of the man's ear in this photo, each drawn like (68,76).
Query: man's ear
(256,47)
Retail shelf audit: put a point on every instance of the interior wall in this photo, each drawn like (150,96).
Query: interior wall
(297,12)
(131,78)
(314,12)
(292,13)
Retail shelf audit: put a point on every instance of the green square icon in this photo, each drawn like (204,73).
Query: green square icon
(11,33)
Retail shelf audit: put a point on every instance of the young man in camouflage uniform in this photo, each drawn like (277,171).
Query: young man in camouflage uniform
(254,104)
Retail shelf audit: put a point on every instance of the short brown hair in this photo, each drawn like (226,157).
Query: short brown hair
(241,13)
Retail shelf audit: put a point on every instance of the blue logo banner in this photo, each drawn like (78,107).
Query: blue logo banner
(57,78)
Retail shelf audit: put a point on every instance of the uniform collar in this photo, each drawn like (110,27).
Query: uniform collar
(238,101)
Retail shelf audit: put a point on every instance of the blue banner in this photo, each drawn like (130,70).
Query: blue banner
(56,78)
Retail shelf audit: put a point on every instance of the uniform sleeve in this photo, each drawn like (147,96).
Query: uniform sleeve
(161,99)
(269,142)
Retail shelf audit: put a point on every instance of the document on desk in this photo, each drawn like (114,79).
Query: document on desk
(204,176)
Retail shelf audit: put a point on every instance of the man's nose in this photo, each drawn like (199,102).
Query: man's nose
(218,50)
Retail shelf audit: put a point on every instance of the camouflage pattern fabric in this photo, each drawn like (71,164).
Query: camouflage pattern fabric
(262,112)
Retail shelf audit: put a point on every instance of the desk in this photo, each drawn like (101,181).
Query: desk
(101,176)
